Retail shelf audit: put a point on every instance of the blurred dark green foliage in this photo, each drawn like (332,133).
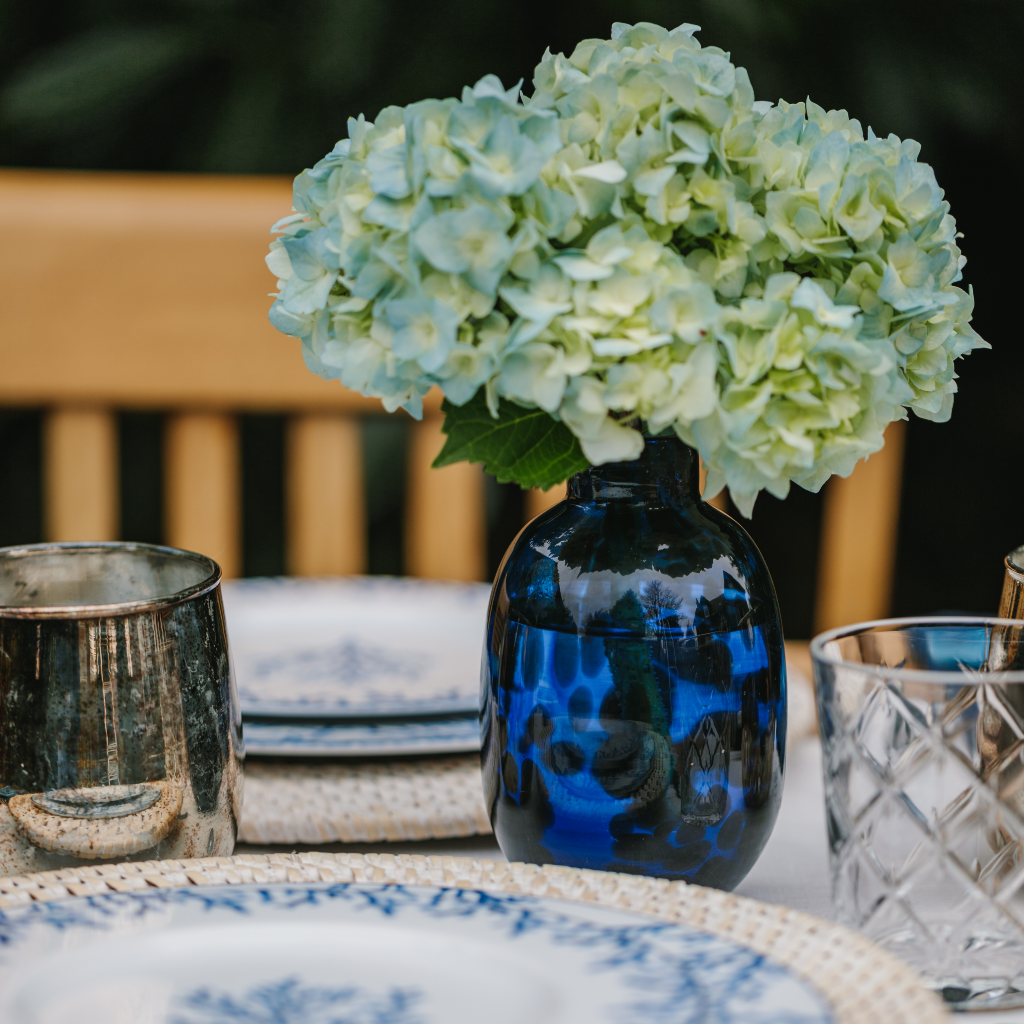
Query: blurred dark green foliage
(255,86)
(250,86)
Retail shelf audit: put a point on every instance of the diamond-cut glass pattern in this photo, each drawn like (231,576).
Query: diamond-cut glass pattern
(925,797)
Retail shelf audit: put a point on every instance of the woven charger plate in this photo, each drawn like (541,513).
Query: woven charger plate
(863,984)
(343,802)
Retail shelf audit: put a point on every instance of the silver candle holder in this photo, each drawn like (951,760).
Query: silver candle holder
(120,733)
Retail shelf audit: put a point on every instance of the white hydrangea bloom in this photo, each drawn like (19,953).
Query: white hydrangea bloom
(639,245)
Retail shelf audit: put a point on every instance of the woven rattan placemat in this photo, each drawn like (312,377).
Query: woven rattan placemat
(360,802)
(398,800)
(863,984)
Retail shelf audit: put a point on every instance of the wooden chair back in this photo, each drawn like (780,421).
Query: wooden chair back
(143,292)
(133,292)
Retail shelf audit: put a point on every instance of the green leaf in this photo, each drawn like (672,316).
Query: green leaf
(525,446)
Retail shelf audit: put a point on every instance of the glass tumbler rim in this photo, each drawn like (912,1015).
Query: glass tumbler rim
(944,677)
(210,580)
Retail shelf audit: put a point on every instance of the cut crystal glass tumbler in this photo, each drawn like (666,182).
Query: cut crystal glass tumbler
(922,722)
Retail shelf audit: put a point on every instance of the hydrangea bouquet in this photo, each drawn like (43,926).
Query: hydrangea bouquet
(638,246)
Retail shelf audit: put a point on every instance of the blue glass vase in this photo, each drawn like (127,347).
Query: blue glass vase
(634,683)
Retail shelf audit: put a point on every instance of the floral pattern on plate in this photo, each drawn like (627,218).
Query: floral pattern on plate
(383,954)
(355,647)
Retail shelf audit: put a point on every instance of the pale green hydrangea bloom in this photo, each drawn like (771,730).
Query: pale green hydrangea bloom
(639,244)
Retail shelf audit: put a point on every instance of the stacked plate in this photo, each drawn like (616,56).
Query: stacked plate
(357,667)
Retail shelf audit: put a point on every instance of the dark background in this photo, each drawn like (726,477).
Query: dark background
(255,86)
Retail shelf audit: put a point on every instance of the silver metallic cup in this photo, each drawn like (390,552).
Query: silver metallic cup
(120,733)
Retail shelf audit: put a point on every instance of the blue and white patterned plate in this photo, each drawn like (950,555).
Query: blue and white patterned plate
(360,647)
(384,738)
(365,954)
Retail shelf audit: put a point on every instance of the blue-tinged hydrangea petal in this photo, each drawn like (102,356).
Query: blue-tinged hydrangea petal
(471,241)
(424,330)
(507,163)
(388,172)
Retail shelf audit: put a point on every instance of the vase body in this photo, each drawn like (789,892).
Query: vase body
(633,681)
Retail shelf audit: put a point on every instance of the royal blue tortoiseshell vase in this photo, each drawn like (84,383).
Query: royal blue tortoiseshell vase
(634,683)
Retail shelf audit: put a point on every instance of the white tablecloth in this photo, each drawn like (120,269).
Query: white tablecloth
(793,869)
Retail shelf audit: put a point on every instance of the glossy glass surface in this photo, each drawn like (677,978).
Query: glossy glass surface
(924,788)
(97,699)
(634,693)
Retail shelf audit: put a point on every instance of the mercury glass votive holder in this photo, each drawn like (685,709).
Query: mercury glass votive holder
(120,736)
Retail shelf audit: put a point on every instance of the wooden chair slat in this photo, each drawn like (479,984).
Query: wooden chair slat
(80,475)
(202,485)
(860,518)
(155,295)
(325,515)
(445,532)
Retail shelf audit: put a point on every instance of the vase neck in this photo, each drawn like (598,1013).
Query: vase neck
(667,473)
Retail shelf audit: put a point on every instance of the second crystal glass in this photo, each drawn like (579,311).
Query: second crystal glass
(922,722)
(633,681)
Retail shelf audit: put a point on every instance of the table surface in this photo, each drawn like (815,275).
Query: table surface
(792,870)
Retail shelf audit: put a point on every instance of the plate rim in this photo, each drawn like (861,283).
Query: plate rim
(390,743)
(568,924)
(382,709)
(379,751)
